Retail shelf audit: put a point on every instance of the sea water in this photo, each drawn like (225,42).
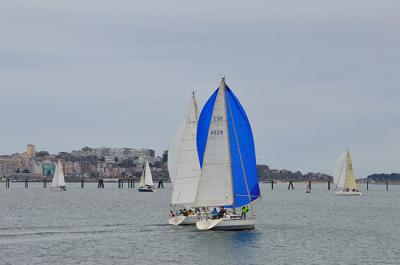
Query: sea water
(123,226)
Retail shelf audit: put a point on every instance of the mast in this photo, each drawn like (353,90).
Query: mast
(196,109)
(223,86)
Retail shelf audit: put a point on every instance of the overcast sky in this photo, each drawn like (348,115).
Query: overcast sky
(315,77)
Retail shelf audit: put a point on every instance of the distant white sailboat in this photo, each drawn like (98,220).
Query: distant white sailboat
(184,169)
(228,178)
(146,181)
(344,177)
(58,182)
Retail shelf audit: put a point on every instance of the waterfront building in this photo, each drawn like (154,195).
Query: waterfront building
(48,169)
(30,151)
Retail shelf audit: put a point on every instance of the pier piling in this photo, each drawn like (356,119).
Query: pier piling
(100,185)
(82,183)
(160,184)
(131,184)
(290,185)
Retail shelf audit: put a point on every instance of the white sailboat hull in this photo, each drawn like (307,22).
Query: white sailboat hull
(226,224)
(146,189)
(58,188)
(183,220)
(348,193)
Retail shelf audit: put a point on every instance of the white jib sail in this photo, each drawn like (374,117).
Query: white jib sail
(339,171)
(58,178)
(174,151)
(148,178)
(215,185)
(187,174)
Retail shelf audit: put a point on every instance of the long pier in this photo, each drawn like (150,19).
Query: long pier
(291,184)
(119,182)
(101,182)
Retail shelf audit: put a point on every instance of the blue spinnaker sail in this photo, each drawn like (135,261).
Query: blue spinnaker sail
(242,152)
(241,144)
(203,126)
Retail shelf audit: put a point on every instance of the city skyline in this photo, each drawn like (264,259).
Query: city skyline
(315,77)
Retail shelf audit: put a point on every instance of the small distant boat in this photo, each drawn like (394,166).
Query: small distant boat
(146,181)
(184,169)
(228,178)
(344,177)
(308,189)
(58,182)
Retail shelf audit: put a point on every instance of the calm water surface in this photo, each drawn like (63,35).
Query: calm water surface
(122,226)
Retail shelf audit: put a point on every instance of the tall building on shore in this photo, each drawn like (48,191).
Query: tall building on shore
(30,151)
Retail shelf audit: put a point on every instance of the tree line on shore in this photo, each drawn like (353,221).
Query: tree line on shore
(384,177)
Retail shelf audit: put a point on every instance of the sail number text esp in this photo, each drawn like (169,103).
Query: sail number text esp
(217,132)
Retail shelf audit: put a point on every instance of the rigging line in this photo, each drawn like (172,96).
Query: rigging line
(340,173)
(174,207)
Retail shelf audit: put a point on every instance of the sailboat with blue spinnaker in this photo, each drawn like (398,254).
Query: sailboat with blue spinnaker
(228,179)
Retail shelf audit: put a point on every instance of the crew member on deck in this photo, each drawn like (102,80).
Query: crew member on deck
(214,213)
(245,210)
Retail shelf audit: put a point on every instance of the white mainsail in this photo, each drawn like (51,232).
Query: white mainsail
(187,167)
(215,185)
(58,178)
(343,174)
